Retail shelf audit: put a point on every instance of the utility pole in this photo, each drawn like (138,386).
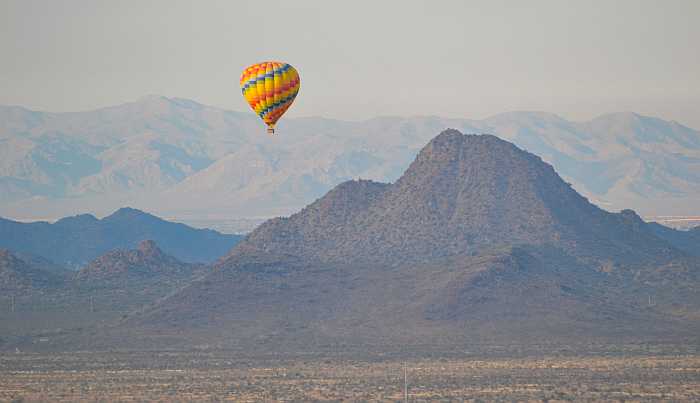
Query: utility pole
(405,383)
(92,304)
(12,304)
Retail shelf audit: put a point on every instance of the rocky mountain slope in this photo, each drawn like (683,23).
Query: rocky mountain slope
(460,194)
(128,279)
(477,241)
(41,306)
(74,241)
(146,261)
(183,159)
(687,241)
(18,276)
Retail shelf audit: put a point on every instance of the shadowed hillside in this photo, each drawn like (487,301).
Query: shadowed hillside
(74,241)
(43,304)
(688,241)
(19,276)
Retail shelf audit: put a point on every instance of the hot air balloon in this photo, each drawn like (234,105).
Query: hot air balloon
(270,89)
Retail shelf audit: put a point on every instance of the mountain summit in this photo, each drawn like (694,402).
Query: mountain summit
(461,194)
(147,260)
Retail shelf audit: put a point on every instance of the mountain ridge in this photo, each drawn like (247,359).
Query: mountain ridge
(73,241)
(146,261)
(20,276)
(65,163)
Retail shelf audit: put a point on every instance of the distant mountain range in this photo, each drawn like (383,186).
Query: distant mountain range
(182,159)
(74,241)
(111,271)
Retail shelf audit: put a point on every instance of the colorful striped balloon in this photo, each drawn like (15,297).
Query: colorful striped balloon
(270,89)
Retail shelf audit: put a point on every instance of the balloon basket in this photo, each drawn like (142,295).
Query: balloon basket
(270,131)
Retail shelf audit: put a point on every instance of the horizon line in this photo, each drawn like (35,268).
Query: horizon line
(146,97)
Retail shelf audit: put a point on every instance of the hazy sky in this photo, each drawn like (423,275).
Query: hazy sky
(360,59)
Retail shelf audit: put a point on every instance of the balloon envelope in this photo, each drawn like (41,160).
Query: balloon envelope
(270,89)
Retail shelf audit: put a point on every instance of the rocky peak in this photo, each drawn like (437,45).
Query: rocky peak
(463,193)
(77,220)
(445,147)
(632,218)
(148,248)
(146,260)
(125,212)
